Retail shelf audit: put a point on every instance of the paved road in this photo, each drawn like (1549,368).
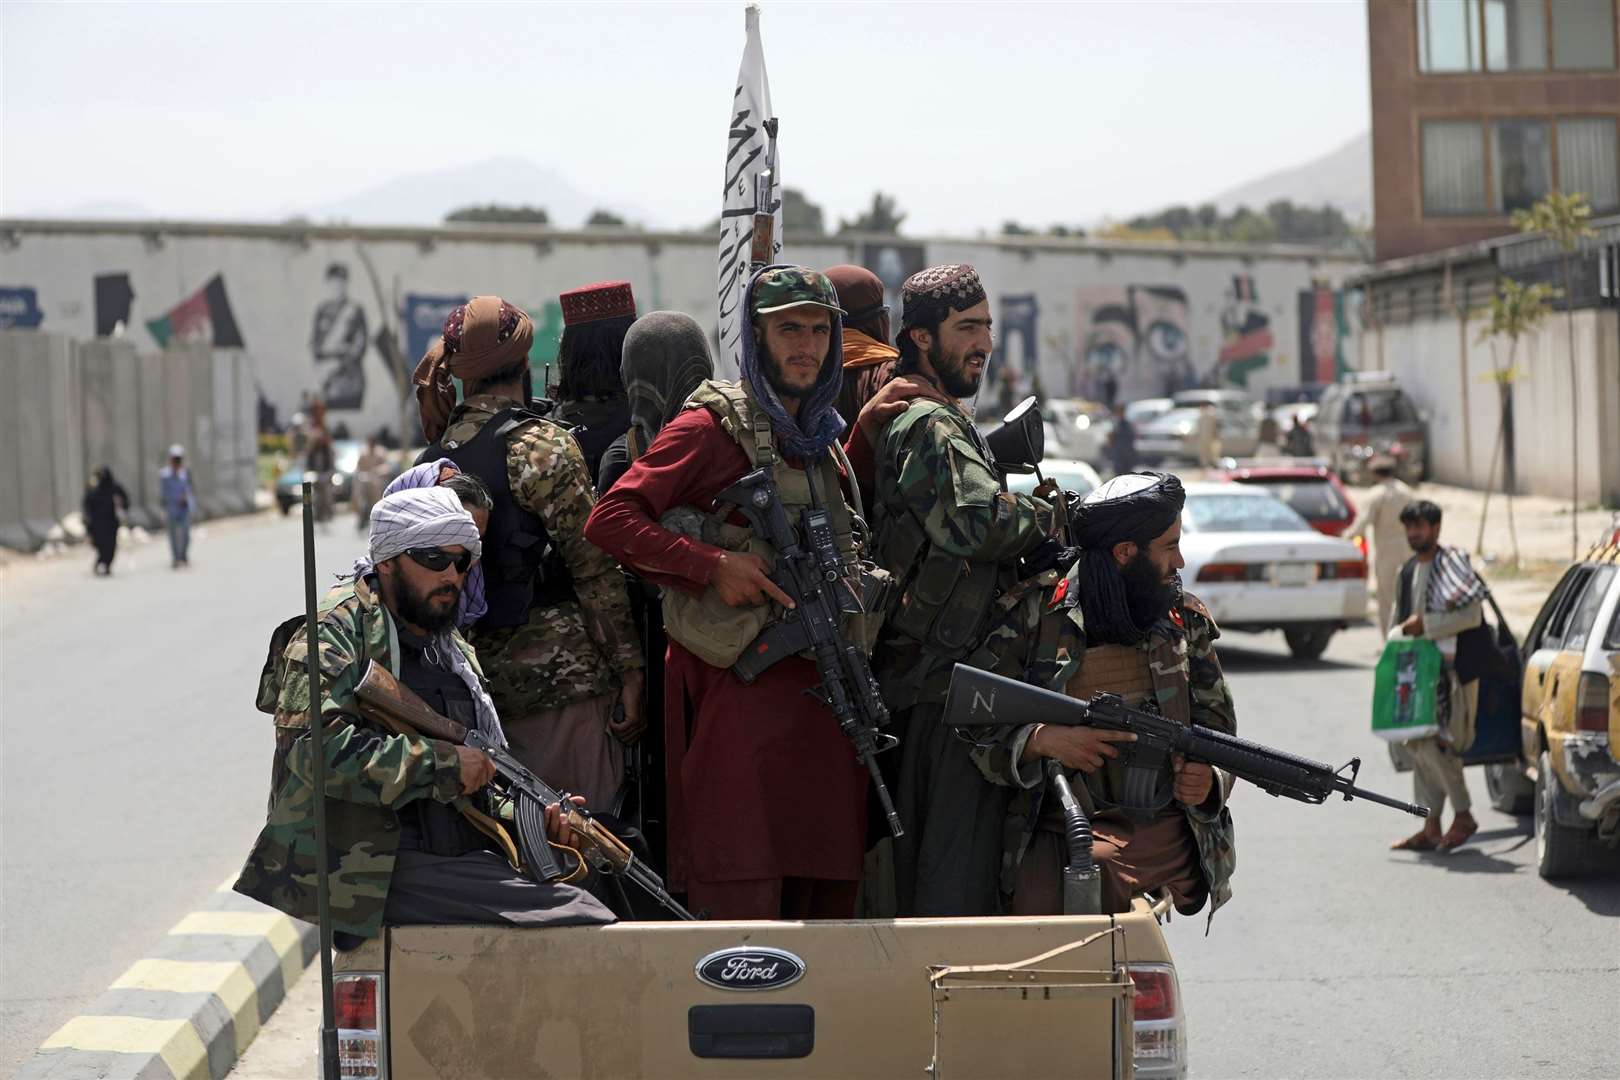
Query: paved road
(134,765)
(1339,958)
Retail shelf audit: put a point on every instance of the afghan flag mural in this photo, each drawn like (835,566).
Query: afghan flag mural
(1324,328)
(1246,340)
(204,316)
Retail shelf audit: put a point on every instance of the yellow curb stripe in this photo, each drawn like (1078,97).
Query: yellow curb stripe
(175,1041)
(273,926)
(225,979)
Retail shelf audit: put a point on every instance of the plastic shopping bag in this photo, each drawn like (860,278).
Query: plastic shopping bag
(1404,690)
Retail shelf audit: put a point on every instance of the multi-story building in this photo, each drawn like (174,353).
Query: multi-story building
(1480,107)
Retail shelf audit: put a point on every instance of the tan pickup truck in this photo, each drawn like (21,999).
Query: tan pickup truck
(1073,996)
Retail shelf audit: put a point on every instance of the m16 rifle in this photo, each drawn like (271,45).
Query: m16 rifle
(981,699)
(815,576)
(384,700)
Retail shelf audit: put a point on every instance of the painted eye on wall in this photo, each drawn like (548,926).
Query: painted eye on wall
(1105,356)
(1167,340)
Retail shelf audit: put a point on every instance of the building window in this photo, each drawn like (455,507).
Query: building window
(1515,35)
(1448,35)
(1583,35)
(1453,168)
(1589,160)
(1522,155)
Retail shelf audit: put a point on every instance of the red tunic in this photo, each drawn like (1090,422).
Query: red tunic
(762,784)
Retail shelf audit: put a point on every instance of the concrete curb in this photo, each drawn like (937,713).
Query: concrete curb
(188,1010)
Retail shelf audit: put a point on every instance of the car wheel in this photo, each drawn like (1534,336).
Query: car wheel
(1560,850)
(1308,642)
(1509,791)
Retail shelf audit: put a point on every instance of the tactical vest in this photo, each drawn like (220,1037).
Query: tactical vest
(520,569)
(944,600)
(705,625)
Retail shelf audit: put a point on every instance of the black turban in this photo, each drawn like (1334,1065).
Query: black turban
(1132,507)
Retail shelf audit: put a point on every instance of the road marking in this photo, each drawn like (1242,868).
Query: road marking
(175,1041)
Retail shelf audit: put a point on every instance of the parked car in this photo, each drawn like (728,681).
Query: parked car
(1077,429)
(1257,565)
(1175,434)
(345,460)
(1313,491)
(1148,410)
(1366,416)
(1568,772)
(1075,476)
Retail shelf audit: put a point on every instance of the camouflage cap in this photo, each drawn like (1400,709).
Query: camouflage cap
(783,287)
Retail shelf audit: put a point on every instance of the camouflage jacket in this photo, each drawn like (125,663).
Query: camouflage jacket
(369,774)
(1187,682)
(944,525)
(568,651)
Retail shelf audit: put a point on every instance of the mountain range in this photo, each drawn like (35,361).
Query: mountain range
(1341,178)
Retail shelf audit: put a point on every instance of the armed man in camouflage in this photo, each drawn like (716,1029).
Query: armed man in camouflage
(409,820)
(953,537)
(557,639)
(1120,622)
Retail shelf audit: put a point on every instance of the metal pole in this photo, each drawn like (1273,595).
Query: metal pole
(317,736)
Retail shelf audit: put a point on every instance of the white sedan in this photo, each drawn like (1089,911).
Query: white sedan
(1075,476)
(1257,565)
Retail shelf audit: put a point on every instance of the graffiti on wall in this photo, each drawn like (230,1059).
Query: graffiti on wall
(1135,342)
(423,318)
(114,297)
(1324,333)
(893,263)
(1013,370)
(1246,340)
(19,308)
(204,317)
(337,343)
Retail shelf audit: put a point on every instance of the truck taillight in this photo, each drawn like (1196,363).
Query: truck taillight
(356,1013)
(1592,702)
(1161,1038)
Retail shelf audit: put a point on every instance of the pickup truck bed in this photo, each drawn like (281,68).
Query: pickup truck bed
(864,998)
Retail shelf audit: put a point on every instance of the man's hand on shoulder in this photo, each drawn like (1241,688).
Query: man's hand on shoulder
(892,399)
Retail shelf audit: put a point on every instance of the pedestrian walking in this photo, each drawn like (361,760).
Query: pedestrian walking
(174,488)
(1380,522)
(105,503)
(1122,442)
(370,474)
(319,459)
(1209,436)
(1440,597)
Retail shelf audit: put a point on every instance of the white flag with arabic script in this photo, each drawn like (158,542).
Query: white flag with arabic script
(748,152)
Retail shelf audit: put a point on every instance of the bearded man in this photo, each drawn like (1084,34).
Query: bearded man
(406,813)
(1119,622)
(767,802)
(952,536)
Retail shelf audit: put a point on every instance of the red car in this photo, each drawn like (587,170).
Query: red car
(1314,491)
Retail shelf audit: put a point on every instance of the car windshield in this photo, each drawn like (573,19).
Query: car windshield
(1315,499)
(1240,513)
(1373,409)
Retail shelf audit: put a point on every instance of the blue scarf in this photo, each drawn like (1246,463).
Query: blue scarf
(818,424)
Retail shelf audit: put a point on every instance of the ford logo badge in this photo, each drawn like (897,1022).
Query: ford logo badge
(750,969)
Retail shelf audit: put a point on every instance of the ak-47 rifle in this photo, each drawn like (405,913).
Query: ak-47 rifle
(762,247)
(981,699)
(384,700)
(815,577)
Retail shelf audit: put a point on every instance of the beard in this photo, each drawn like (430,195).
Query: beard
(419,610)
(952,370)
(1148,593)
(771,368)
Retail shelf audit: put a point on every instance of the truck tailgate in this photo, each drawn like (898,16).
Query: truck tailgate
(878,998)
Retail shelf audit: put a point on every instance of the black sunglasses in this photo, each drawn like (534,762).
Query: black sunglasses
(436,559)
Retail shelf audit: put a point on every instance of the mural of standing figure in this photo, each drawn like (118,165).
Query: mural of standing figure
(338,338)
(1134,342)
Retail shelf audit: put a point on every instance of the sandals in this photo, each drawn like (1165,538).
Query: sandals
(1418,841)
(1458,834)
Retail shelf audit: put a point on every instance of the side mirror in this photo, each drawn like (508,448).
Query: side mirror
(1019,443)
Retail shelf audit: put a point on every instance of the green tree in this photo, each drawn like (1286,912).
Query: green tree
(600,217)
(800,216)
(1012,228)
(502,215)
(1514,311)
(883,216)
(1562,218)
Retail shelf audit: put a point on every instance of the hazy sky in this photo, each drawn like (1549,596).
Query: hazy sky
(970,113)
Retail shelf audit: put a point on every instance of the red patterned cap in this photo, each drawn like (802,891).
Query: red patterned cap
(603,300)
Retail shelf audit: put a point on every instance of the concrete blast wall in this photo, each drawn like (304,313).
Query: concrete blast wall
(1448,372)
(67,407)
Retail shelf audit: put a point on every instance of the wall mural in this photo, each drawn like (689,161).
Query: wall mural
(1135,342)
(204,317)
(337,343)
(19,308)
(1324,333)
(1013,371)
(893,263)
(1246,340)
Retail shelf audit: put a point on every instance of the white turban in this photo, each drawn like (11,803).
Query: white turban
(421,517)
